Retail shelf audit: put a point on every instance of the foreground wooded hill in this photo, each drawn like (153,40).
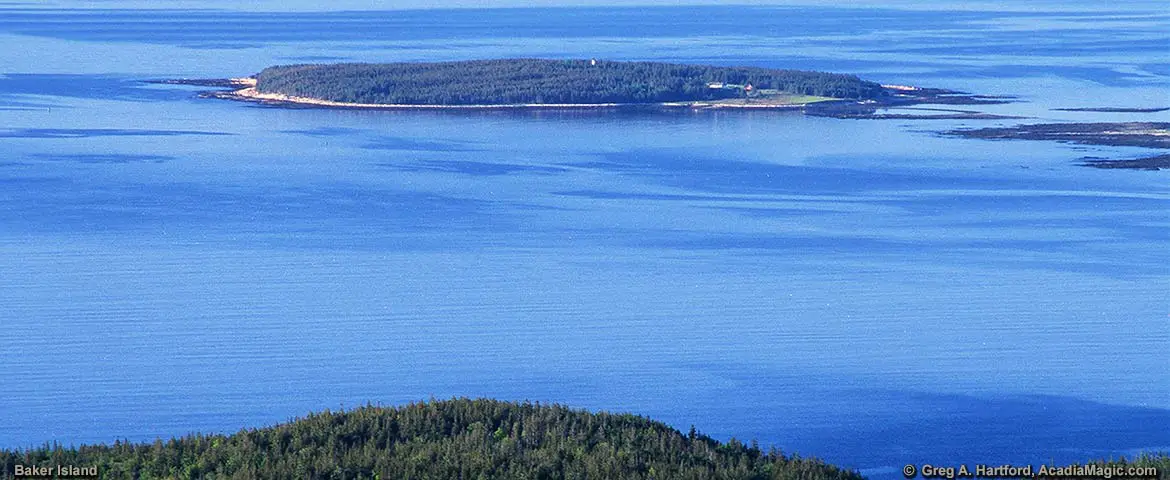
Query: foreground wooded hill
(456,439)
(532,81)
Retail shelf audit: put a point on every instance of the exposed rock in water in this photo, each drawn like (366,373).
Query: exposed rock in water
(1120,134)
(1157,162)
(1113,109)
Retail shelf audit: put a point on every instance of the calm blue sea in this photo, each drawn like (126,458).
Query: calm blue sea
(866,291)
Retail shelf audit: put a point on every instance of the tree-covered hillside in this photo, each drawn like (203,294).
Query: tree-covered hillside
(456,439)
(519,81)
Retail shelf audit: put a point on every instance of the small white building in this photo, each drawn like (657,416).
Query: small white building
(904,88)
(715,85)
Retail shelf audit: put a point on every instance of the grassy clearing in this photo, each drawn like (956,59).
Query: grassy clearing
(792,99)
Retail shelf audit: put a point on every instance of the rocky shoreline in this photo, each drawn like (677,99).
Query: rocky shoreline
(244,90)
(903,97)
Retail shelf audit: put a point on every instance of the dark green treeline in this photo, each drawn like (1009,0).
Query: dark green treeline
(455,439)
(518,81)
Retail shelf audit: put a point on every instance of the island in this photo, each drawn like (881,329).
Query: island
(578,84)
(541,84)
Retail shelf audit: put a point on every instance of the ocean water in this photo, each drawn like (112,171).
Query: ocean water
(866,291)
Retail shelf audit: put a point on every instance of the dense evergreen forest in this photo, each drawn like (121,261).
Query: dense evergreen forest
(520,81)
(452,439)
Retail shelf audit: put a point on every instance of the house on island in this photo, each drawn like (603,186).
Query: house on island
(901,90)
(904,88)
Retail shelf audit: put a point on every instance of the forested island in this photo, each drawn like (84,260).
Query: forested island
(535,81)
(543,84)
(462,438)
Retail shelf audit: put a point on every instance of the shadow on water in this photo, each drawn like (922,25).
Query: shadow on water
(946,429)
(701,172)
(374,141)
(57,133)
(416,145)
(871,428)
(814,210)
(467,167)
(327,132)
(337,215)
(99,158)
(248,29)
(99,87)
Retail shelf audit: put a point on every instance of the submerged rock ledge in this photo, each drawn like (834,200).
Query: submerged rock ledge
(1115,134)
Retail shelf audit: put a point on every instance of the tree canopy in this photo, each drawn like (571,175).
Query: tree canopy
(454,439)
(522,81)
